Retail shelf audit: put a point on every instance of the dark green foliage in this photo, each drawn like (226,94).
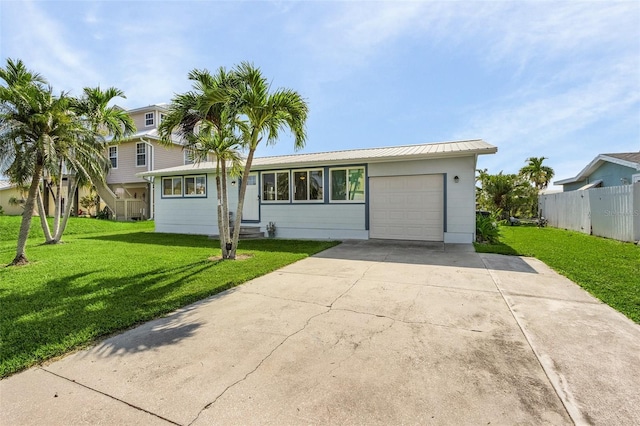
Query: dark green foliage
(487,230)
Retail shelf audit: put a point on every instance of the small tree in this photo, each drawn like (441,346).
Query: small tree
(90,202)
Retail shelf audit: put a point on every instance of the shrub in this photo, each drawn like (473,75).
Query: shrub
(487,229)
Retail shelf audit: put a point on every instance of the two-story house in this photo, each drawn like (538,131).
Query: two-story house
(130,197)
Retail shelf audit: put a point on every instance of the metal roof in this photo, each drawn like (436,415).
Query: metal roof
(626,159)
(368,155)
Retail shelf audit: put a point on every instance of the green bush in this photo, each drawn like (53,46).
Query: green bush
(487,229)
(1,210)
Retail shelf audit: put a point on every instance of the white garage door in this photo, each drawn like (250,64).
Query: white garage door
(407,207)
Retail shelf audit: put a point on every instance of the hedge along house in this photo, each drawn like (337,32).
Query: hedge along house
(416,192)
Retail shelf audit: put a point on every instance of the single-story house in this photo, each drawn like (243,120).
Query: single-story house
(605,170)
(416,192)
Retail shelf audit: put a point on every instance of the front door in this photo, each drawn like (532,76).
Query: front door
(251,208)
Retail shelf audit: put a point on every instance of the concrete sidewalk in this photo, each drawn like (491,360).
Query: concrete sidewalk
(367,332)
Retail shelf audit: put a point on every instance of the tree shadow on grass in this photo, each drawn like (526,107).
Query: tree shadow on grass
(78,308)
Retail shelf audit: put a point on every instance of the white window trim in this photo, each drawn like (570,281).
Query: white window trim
(292,183)
(635,178)
(145,154)
(153,119)
(116,157)
(347,201)
(194,177)
(275,173)
(172,195)
(161,117)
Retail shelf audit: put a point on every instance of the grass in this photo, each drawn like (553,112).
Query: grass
(608,269)
(110,276)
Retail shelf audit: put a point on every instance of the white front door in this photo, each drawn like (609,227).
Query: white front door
(251,208)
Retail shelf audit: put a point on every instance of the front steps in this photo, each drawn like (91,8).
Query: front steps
(246,233)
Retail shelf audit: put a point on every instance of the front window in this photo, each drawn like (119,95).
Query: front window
(275,186)
(308,185)
(113,156)
(195,186)
(347,185)
(148,119)
(141,154)
(172,187)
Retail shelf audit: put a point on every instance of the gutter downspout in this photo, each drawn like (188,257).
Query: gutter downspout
(150,179)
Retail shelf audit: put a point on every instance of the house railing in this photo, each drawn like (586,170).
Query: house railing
(611,212)
(130,209)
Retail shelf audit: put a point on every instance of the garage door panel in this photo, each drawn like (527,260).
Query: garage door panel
(407,207)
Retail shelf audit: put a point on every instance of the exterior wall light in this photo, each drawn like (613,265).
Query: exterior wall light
(456,179)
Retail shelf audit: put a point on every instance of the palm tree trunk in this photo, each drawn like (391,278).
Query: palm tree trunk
(21,257)
(243,190)
(219,210)
(72,186)
(58,210)
(225,208)
(43,216)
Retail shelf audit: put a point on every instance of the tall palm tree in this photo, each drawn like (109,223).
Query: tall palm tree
(84,161)
(33,123)
(264,115)
(540,176)
(205,121)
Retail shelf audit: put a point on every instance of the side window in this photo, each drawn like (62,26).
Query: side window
(171,186)
(113,156)
(347,184)
(188,157)
(275,186)
(141,154)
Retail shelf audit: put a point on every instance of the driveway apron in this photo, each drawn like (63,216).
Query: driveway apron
(368,332)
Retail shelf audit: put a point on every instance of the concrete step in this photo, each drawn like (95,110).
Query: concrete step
(246,233)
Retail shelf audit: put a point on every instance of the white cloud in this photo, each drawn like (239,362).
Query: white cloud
(42,38)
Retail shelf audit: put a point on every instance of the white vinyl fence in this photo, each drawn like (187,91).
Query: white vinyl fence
(612,212)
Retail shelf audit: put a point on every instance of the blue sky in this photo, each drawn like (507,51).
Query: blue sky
(559,79)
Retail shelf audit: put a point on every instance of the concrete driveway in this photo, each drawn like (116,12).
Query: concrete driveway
(367,332)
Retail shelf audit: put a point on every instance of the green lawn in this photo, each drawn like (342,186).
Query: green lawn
(109,276)
(608,269)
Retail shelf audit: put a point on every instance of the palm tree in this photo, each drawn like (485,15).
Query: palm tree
(205,120)
(264,115)
(536,173)
(84,159)
(33,123)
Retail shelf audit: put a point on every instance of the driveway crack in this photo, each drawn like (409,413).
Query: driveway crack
(258,365)
(151,413)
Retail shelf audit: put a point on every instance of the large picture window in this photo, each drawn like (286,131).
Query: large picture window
(347,184)
(141,154)
(275,186)
(172,187)
(308,185)
(113,156)
(195,186)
